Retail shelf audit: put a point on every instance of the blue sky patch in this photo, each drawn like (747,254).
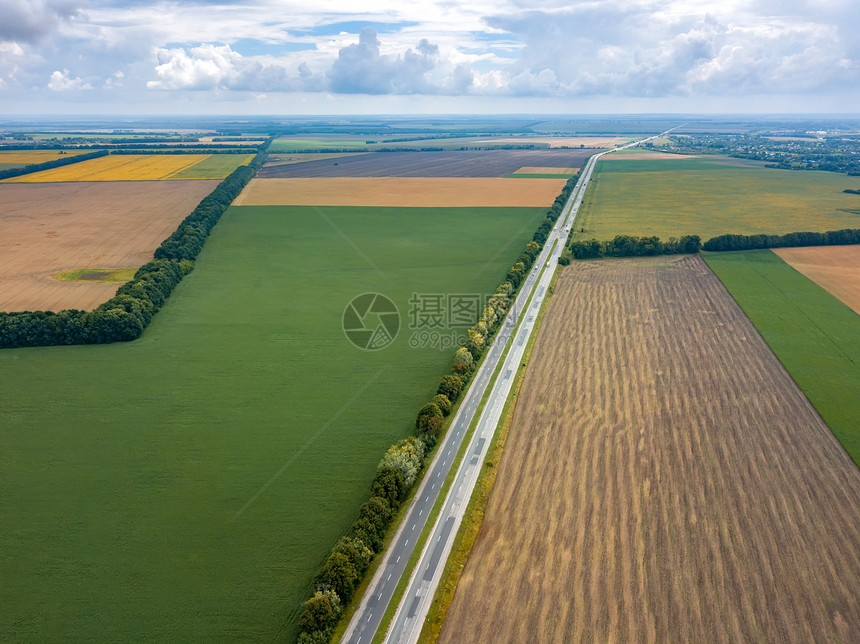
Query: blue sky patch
(354,27)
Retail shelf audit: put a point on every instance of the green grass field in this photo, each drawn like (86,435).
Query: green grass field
(708,197)
(812,333)
(298,145)
(216,166)
(116,275)
(124,468)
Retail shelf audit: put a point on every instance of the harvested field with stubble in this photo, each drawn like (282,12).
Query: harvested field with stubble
(465,163)
(664,479)
(560,141)
(408,192)
(55,227)
(836,269)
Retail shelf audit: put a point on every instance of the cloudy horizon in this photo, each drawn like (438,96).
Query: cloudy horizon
(267,57)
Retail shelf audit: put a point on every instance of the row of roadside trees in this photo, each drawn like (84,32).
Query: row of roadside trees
(400,467)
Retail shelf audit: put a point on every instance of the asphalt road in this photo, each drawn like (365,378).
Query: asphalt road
(413,608)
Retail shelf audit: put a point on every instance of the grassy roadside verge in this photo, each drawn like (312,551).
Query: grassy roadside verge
(467,535)
(357,597)
(449,479)
(814,335)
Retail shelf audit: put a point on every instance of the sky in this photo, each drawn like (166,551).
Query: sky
(428,56)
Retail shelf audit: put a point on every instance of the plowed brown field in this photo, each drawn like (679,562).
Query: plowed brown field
(54,227)
(836,269)
(465,163)
(664,480)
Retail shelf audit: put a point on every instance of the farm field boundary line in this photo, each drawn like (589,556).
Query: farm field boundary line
(833,268)
(814,335)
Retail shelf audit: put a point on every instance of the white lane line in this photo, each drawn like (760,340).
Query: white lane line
(389,577)
(398,559)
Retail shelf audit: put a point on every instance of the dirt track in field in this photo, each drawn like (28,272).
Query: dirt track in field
(545,170)
(836,269)
(641,156)
(560,141)
(664,480)
(431,192)
(461,163)
(54,227)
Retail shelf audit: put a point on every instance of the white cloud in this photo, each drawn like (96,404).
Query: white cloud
(11,55)
(61,82)
(361,69)
(114,81)
(30,20)
(625,50)
(553,49)
(214,67)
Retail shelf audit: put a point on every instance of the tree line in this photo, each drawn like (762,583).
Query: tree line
(135,149)
(401,465)
(629,246)
(127,314)
(749,242)
(47,165)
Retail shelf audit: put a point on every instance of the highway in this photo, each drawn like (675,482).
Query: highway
(412,610)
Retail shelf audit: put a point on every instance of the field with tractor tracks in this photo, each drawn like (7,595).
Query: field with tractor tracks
(664,479)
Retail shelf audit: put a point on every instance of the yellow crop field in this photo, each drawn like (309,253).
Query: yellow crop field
(120,167)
